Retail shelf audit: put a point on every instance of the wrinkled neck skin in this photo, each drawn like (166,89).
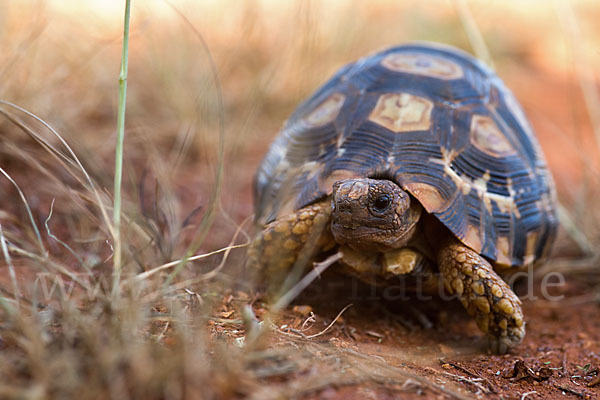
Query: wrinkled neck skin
(373,215)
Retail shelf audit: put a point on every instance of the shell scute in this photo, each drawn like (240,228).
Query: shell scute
(441,125)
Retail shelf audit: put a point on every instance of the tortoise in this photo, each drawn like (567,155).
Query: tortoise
(414,161)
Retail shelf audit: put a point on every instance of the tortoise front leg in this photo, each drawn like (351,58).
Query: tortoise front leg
(487,298)
(289,244)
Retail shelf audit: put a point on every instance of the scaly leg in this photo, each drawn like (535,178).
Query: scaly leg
(289,244)
(487,298)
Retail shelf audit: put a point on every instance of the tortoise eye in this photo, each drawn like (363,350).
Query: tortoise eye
(381,203)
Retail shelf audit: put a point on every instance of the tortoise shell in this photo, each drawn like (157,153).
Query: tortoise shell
(441,125)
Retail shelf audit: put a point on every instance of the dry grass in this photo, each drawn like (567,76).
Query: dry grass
(209,85)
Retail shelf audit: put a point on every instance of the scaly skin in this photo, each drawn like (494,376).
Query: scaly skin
(486,297)
(287,246)
(291,240)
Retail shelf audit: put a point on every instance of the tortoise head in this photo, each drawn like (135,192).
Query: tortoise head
(373,214)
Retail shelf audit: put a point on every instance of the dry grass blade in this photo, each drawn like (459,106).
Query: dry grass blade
(585,73)
(239,229)
(29,214)
(291,294)
(62,243)
(587,83)
(572,229)
(211,274)
(63,159)
(92,187)
(172,264)
(47,262)
(11,267)
(473,32)
(210,214)
(569,265)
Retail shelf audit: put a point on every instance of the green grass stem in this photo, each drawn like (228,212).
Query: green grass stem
(119,146)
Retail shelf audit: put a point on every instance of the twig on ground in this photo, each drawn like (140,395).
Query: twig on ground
(489,384)
(300,333)
(594,381)
(524,395)
(331,324)
(162,333)
(571,391)
(473,381)
(310,319)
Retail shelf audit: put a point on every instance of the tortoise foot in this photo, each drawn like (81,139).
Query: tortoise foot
(485,296)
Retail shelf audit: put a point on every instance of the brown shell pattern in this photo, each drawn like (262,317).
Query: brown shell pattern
(438,123)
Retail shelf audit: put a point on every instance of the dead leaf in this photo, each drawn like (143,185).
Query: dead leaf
(521,371)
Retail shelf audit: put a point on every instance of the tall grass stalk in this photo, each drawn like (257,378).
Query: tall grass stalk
(473,33)
(119,147)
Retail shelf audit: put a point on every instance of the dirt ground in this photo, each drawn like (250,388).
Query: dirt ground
(397,344)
